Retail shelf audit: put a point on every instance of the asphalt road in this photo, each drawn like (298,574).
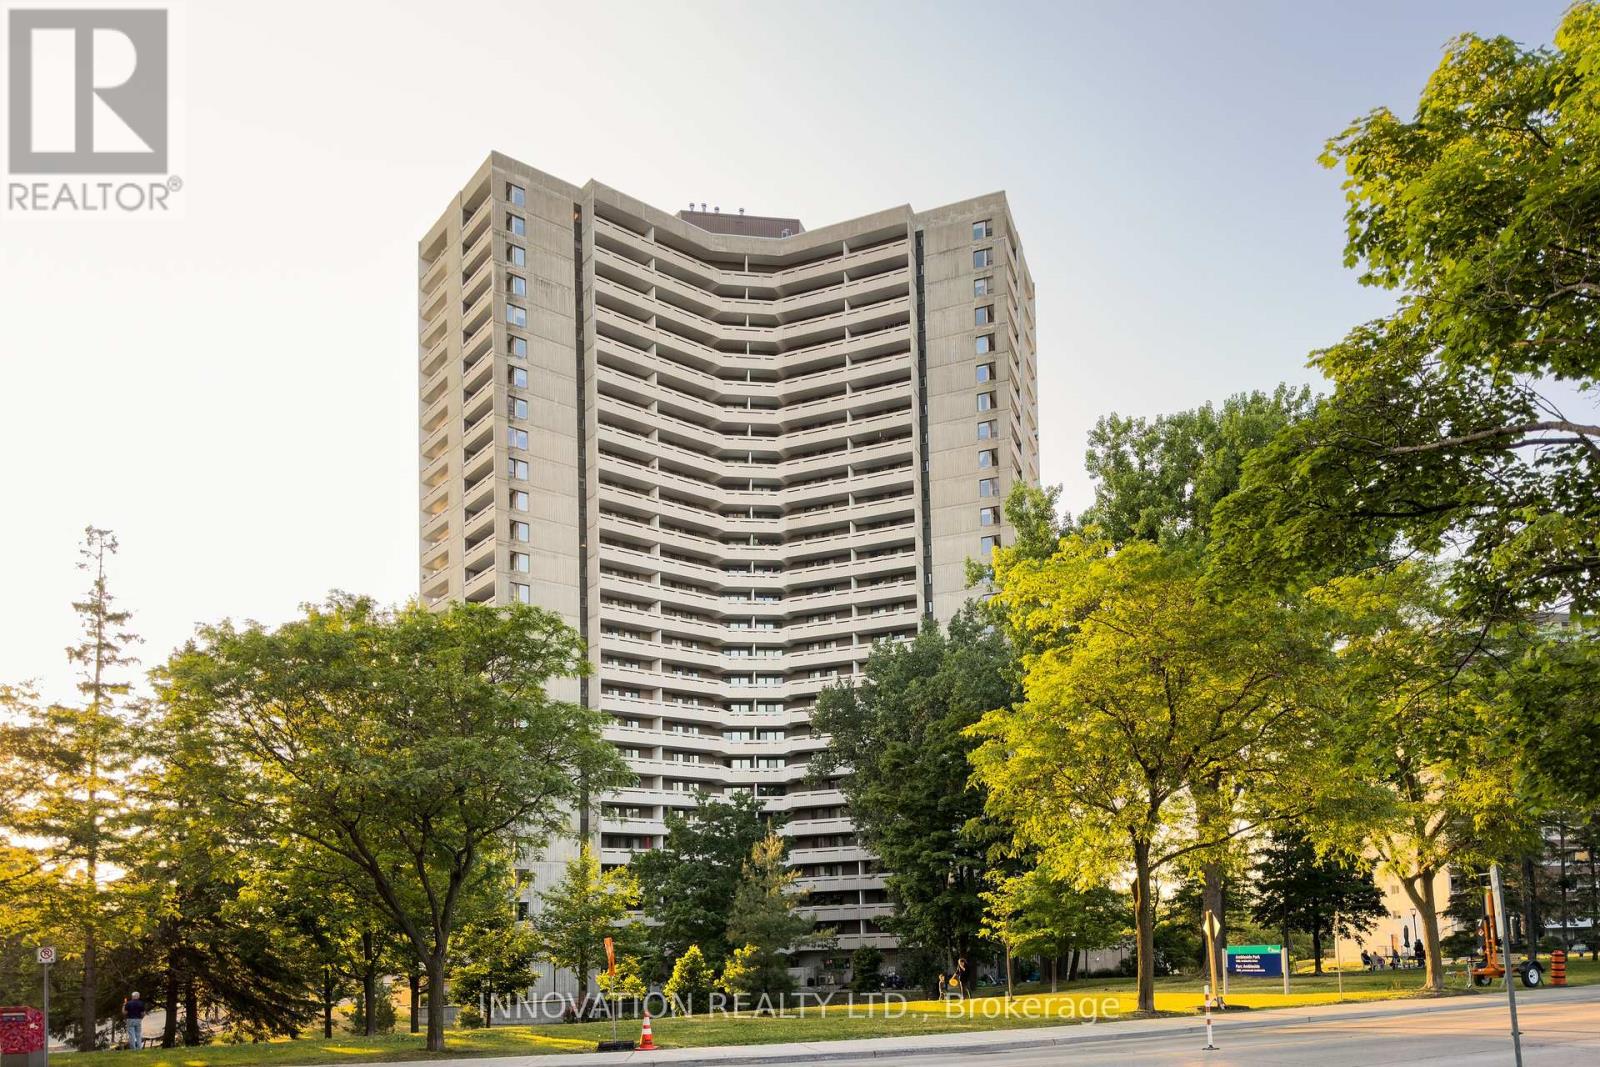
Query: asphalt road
(1556,1032)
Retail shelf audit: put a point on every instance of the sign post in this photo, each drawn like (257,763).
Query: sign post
(1337,965)
(1211,927)
(46,955)
(1285,953)
(1505,947)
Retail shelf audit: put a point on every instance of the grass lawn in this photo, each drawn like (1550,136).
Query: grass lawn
(1107,998)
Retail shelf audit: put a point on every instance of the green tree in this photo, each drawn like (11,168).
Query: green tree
(866,969)
(498,959)
(1032,914)
(69,772)
(413,744)
(1321,895)
(1160,479)
(767,922)
(901,736)
(1446,430)
(1141,688)
(687,885)
(580,911)
(691,980)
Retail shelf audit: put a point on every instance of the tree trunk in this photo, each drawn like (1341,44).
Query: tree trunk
(169,1026)
(488,1012)
(416,1000)
(1316,943)
(1074,963)
(327,1002)
(1144,927)
(1419,890)
(88,1016)
(1530,909)
(369,983)
(191,1014)
(1211,899)
(436,962)
(1055,962)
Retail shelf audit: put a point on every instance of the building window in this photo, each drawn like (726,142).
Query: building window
(989,517)
(980,316)
(519,532)
(518,285)
(518,316)
(986,430)
(521,562)
(519,438)
(990,543)
(989,458)
(522,594)
(517,346)
(518,255)
(518,469)
(985,343)
(981,258)
(986,372)
(519,500)
(982,286)
(518,377)
(986,402)
(982,230)
(988,486)
(516,225)
(515,194)
(517,407)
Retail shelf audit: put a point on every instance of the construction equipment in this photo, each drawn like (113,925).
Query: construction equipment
(1490,969)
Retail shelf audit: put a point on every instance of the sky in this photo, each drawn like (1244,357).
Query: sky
(233,392)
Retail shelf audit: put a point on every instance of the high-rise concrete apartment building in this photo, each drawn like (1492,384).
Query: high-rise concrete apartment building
(731,451)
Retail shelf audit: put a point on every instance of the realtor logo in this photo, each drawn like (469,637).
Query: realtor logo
(88,91)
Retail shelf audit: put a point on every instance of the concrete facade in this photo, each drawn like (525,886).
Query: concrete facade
(732,460)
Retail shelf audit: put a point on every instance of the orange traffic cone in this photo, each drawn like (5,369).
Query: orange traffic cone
(646,1043)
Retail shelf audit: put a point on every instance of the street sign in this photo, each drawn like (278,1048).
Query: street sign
(1212,926)
(47,954)
(1261,961)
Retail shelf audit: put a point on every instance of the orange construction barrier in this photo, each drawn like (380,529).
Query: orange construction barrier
(1558,967)
(646,1042)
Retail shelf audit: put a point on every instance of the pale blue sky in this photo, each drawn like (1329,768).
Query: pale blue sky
(1160,160)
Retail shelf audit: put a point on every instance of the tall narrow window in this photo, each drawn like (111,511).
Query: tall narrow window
(518,468)
(982,286)
(519,500)
(981,258)
(985,343)
(988,486)
(988,458)
(989,517)
(520,532)
(521,593)
(517,285)
(982,230)
(518,316)
(521,562)
(516,407)
(986,401)
(517,346)
(519,438)
(518,377)
(988,430)
(986,372)
(515,194)
(516,225)
(983,316)
(517,255)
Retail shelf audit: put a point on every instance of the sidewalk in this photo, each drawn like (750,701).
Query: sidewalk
(990,1041)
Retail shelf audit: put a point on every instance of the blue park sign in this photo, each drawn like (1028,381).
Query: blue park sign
(1260,961)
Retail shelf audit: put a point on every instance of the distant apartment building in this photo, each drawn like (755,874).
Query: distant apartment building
(733,453)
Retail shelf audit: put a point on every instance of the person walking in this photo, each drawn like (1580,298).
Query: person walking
(133,1015)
